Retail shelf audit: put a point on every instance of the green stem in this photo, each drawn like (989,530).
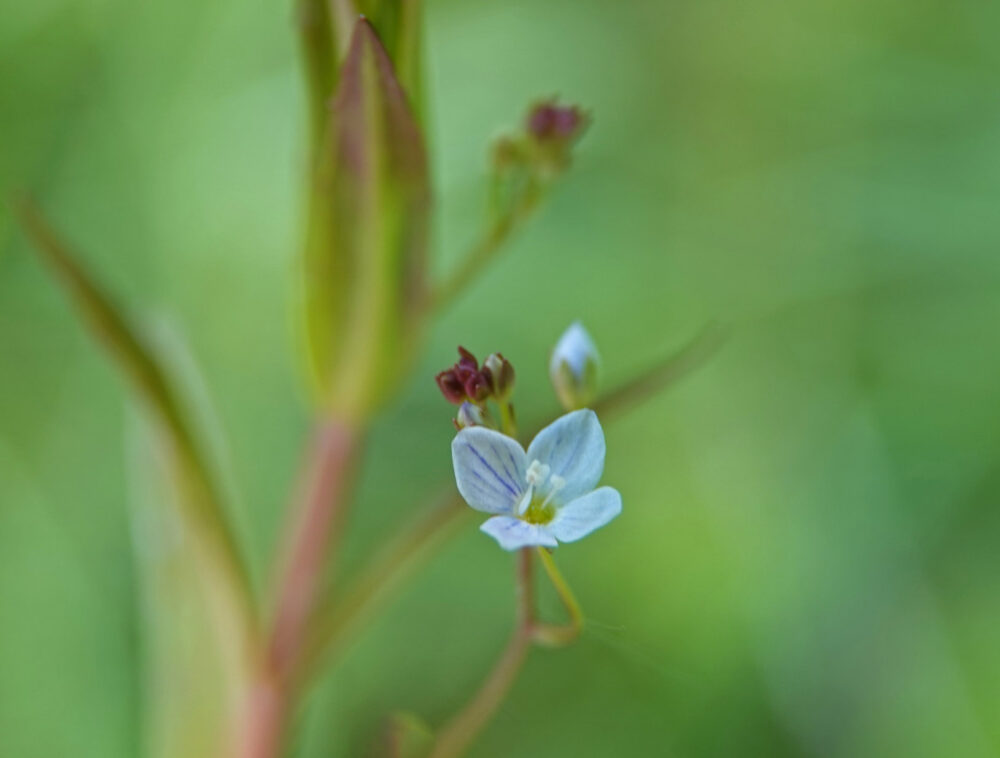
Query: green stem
(482,253)
(456,736)
(554,635)
(475,260)
(508,424)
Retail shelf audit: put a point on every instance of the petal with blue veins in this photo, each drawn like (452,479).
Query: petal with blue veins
(573,446)
(513,533)
(580,517)
(489,469)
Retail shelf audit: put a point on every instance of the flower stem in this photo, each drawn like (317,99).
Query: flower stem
(508,423)
(475,260)
(554,635)
(456,736)
(313,533)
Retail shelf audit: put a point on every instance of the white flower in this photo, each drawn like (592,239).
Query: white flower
(541,497)
(573,367)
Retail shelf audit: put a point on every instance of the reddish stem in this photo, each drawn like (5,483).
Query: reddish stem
(456,736)
(312,537)
(261,722)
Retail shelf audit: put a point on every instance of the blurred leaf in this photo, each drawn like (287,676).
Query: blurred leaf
(407,736)
(189,680)
(225,571)
(319,58)
(365,255)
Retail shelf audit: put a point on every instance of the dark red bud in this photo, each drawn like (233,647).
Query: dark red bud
(550,121)
(466,360)
(451,386)
(477,387)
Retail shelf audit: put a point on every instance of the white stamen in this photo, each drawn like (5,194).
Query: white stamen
(526,500)
(556,483)
(537,473)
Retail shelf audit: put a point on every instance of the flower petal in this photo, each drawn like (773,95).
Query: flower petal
(585,514)
(489,469)
(512,533)
(573,446)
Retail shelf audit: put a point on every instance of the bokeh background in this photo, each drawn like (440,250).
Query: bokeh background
(808,563)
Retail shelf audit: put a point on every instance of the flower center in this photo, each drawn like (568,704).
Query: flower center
(536,507)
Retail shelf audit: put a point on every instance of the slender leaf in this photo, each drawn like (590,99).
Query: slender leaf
(111,327)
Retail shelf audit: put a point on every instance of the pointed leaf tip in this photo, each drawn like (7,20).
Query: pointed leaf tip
(365,260)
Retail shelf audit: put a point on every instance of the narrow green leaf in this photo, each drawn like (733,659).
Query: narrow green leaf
(365,258)
(180,621)
(145,374)
(318,46)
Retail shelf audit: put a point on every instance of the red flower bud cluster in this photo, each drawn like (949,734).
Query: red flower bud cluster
(466,381)
(548,121)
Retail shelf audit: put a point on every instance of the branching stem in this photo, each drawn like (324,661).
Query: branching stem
(456,736)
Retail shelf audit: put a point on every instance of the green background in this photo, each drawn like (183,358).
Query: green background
(808,563)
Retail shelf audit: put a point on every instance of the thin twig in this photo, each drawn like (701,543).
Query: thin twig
(473,263)
(664,374)
(557,635)
(455,737)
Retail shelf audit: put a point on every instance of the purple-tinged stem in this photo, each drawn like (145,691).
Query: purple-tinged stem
(456,736)
(313,534)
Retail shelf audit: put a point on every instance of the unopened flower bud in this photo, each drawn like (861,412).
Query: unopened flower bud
(470,415)
(466,361)
(477,387)
(501,374)
(548,121)
(574,367)
(451,386)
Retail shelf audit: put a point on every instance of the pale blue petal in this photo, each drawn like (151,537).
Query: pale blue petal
(580,517)
(573,446)
(489,469)
(512,533)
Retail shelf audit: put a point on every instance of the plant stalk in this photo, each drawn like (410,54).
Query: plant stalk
(314,530)
(557,635)
(456,736)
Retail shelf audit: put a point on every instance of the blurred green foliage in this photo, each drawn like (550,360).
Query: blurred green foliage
(807,563)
